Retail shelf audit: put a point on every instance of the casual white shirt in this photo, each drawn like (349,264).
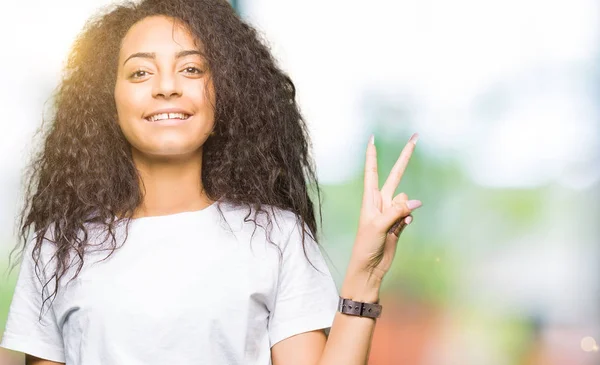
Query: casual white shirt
(187,288)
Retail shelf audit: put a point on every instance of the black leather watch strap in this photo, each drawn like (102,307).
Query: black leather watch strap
(360,309)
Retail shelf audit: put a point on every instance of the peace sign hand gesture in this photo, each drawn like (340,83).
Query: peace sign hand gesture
(382,219)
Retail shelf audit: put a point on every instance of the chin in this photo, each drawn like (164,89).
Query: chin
(168,142)
(169,150)
(177,152)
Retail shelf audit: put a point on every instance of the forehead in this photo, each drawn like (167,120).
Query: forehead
(156,34)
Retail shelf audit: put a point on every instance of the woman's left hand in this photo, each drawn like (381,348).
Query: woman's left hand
(382,216)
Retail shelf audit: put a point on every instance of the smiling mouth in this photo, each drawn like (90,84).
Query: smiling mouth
(167,116)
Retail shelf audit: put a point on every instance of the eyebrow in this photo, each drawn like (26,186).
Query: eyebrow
(152,55)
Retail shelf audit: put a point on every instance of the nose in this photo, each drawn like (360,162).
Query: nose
(166,86)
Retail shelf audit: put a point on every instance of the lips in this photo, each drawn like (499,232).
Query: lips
(168,114)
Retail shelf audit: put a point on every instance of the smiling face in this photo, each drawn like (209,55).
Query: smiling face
(164,93)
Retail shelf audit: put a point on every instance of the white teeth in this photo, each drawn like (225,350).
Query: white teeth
(163,116)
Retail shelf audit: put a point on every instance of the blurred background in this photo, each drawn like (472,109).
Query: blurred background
(501,265)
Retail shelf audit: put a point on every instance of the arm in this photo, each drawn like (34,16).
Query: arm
(31,329)
(32,360)
(348,343)
(350,337)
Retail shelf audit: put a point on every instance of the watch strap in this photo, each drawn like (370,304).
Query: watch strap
(360,309)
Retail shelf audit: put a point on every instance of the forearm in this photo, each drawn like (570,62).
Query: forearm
(381,221)
(350,336)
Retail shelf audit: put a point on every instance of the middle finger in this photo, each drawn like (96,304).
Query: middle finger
(395,176)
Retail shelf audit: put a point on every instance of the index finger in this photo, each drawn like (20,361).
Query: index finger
(393,180)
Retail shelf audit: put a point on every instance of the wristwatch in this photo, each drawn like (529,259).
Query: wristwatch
(360,309)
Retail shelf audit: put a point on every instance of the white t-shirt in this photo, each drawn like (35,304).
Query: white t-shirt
(185,288)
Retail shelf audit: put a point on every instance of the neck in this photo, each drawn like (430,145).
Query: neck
(170,185)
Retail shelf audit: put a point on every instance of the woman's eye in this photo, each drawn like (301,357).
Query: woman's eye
(192,70)
(138,74)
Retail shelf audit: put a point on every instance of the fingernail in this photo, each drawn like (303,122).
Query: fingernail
(408,219)
(414,138)
(413,204)
(372,139)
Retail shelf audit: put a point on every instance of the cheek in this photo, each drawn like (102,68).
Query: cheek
(209,100)
(128,102)
(127,112)
(120,101)
(211,94)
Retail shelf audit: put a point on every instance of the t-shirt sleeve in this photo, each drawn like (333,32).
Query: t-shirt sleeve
(25,330)
(306,299)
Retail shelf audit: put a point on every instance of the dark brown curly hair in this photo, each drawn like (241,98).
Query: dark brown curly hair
(84,174)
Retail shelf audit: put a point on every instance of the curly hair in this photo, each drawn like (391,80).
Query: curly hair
(258,156)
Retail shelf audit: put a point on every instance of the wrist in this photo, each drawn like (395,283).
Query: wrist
(361,287)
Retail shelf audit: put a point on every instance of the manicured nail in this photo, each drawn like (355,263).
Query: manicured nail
(407,220)
(413,204)
(414,138)
(372,139)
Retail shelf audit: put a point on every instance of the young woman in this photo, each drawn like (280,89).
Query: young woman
(170,209)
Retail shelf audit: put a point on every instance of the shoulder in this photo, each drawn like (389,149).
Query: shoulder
(41,246)
(42,251)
